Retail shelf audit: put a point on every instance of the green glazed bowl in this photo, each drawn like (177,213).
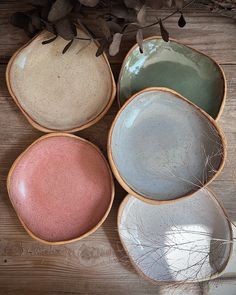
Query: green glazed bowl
(178,67)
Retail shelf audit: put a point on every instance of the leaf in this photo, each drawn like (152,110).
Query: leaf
(115,44)
(154,4)
(49,40)
(104,45)
(104,27)
(114,27)
(20,20)
(119,11)
(181,21)
(51,28)
(30,29)
(139,39)
(66,29)
(90,3)
(141,16)
(68,45)
(36,21)
(59,9)
(45,11)
(23,21)
(86,29)
(164,32)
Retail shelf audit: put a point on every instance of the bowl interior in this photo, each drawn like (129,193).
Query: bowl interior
(175,66)
(61,188)
(163,147)
(181,241)
(61,91)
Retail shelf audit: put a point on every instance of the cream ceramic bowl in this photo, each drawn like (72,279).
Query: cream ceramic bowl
(61,92)
(61,188)
(162,147)
(171,64)
(187,241)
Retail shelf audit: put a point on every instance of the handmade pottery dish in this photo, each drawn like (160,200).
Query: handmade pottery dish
(61,92)
(61,188)
(162,147)
(187,241)
(174,65)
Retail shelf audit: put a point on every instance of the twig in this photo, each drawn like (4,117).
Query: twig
(134,30)
(163,19)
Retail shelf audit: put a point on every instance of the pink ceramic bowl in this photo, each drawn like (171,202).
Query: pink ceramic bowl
(61,188)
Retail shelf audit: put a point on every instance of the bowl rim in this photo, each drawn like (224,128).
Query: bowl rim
(94,228)
(117,174)
(32,121)
(215,275)
(156,37)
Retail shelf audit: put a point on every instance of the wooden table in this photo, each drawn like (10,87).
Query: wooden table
(98,264)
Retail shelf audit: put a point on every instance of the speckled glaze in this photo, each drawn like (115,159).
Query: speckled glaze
(60,92)
(185,241)
(61,188)
(162,147)
(175,66)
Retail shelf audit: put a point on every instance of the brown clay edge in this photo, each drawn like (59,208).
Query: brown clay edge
(223,99)
(158,282)
(45,129)
(115,170)
(91,230)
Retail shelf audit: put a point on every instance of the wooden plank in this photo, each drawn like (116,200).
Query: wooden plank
(225,184)
(211,33)
(97,264)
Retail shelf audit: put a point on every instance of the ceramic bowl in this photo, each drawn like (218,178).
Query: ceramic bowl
(174,65)
(187,241)
(162,147)
(61,92)
(61,188)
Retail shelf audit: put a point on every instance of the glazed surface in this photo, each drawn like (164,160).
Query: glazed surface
(61,91)
(177,67)
(163,147)
(60,188)
(179,241)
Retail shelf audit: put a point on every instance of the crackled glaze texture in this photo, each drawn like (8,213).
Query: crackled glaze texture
(189,240)
(163,147)
(178,67)
(61,188)
(61,91)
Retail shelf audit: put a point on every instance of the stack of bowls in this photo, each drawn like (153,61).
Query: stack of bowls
(164,148)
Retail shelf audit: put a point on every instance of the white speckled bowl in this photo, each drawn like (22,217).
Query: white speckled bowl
(162,147)
(187,241)
(61,92)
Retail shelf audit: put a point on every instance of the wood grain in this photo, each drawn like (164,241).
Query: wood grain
(98,264)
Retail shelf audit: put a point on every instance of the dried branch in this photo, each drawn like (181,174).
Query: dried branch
(59,16)
(198,248)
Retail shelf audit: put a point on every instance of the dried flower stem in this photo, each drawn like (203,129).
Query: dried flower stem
(163,19)
(140,27)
